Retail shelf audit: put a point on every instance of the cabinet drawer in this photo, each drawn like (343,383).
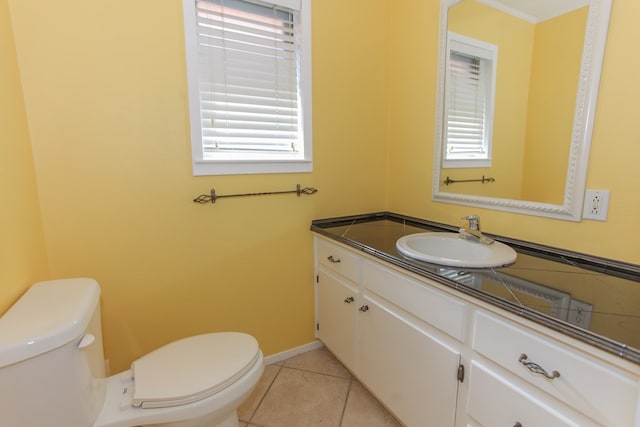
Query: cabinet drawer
(434,307)
(495,401)
(603,393)
(338,259)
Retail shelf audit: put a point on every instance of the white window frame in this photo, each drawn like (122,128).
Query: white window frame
(202,166)
(487,55)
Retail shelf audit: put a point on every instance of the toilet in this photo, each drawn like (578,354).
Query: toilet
(52,370)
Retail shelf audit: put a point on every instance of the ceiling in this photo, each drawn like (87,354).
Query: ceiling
(536,10)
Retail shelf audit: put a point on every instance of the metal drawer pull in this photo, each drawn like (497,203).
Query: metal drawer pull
(537,369)
(332,259)
(348,300)
(517,424)
(364,308)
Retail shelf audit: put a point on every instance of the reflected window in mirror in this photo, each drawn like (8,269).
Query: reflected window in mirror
(470,94)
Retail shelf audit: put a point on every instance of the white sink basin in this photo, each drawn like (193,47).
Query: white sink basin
(452,250)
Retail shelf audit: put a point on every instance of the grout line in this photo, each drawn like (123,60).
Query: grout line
(344,407)
(316,372)
(253,414)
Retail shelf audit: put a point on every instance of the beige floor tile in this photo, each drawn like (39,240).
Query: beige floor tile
(248,407)
(363,410)
(302,399)
(320,361)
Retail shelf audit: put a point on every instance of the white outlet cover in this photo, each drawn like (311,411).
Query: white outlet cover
(596,205)
(580,313)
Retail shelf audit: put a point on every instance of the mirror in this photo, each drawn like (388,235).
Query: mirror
(543,105)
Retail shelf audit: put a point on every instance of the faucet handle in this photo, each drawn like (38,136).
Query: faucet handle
(474,221)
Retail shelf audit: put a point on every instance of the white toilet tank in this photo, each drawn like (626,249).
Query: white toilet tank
(51,356)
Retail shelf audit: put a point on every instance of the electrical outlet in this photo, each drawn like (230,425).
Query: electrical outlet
(580,313)
(596,205)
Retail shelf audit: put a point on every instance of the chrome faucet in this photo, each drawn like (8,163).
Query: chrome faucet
(473,232)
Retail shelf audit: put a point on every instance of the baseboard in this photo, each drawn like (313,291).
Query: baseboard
(279,357)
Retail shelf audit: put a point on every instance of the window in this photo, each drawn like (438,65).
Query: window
(249,74)
(470,93)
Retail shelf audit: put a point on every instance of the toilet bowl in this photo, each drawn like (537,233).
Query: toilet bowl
(52,369)
(202,378)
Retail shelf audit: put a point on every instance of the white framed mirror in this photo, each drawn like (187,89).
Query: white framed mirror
(541,106)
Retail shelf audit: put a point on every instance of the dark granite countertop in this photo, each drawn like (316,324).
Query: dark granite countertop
(592,299)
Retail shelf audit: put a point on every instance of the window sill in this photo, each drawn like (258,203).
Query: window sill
(202,168)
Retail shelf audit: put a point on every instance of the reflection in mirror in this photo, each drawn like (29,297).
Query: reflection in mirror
(538,123)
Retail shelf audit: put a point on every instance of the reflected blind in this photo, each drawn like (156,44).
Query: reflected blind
(467,107)
(248,80)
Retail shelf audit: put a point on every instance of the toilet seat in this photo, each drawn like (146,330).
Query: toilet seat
(192,369)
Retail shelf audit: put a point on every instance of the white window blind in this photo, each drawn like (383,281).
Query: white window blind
(250,94)
(467,109)
(469,104)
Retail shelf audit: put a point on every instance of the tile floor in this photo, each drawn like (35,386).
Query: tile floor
(312,389)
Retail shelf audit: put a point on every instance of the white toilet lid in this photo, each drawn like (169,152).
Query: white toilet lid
(192,369)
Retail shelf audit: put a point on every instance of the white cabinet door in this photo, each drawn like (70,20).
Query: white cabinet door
(337,308)
(413,373)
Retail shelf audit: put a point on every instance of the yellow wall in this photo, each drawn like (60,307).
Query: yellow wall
(557,57)
(614,152)
(22,255)
(105,96)
(106,99)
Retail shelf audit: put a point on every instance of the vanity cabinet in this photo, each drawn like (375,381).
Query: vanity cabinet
(438,357)
(396,355)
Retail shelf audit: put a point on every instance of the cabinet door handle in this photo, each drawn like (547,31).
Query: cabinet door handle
(517,424)
(537,369)
(364,308)
(348,300)
(332,259)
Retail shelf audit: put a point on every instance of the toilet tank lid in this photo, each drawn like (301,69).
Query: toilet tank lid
(49,315)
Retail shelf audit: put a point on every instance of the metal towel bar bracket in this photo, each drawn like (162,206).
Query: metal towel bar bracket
(212,197)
